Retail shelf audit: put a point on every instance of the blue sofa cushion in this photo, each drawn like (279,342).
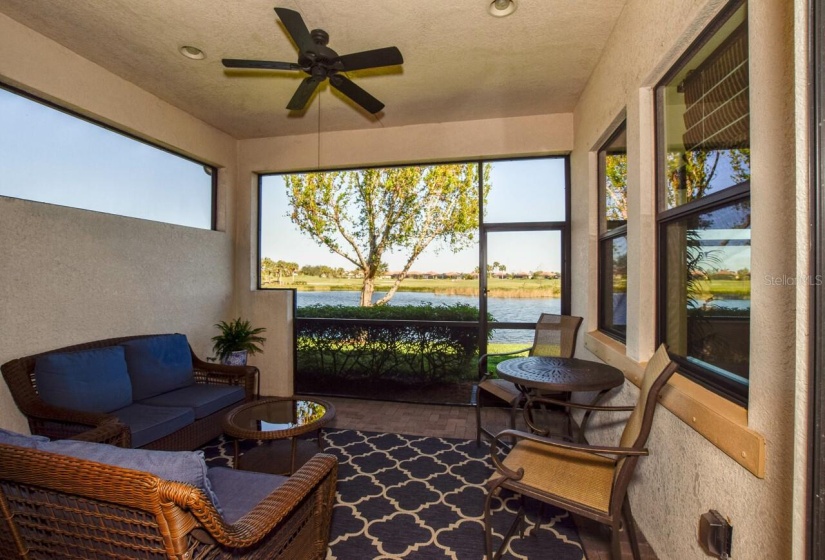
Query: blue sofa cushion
(20,440)
(149,423)
(203,399)
(158,364)
(240,491)
(188,467)
(88,380)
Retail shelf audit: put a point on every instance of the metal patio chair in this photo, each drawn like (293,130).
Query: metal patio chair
(589,480)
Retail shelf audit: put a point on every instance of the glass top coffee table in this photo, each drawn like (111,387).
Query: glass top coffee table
(277,421)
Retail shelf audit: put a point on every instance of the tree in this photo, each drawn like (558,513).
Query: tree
(320,270)
(616,179)
(692,172)
(491,268)
(271,269)
(362,215)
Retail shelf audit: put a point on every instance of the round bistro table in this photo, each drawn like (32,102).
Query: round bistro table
(561,375)
(277,421)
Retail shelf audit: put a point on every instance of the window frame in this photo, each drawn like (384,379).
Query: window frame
(607,235)
(213,170)
(726,196)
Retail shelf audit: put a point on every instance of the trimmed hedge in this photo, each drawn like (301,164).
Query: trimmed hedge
(383,342)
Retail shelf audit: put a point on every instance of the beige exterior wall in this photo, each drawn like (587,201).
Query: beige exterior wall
(804,343)
(522,136)
(70,276)
(686,474)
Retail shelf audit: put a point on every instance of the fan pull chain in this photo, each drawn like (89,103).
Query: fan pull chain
(319,130)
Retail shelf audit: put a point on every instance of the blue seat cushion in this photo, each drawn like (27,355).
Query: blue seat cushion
(188,467)
(240,491)
(158,364)
(203,399)
(89,380)
(149,423)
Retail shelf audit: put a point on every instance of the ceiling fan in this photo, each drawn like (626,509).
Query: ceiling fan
(321,62)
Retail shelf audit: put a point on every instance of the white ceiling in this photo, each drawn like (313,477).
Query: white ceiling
(460,63)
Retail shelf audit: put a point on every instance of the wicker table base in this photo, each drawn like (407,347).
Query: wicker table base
(277,421)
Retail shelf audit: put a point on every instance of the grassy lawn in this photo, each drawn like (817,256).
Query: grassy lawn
(494,348)
(725,289)
(509,287)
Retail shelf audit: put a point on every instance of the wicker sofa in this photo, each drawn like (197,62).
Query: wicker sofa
(54,505)
(186,427)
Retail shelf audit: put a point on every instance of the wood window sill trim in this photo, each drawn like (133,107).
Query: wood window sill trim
(717,419)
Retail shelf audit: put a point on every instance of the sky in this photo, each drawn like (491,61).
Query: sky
(528,190)
(84,165)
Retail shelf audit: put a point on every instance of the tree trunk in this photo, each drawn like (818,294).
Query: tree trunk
(367,291)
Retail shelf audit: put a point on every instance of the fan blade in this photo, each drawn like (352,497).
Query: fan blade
(348,88)
(388,56)
(303,93)
(296,27)
(259,64)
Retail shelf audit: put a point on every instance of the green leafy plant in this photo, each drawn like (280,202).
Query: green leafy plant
(237,335)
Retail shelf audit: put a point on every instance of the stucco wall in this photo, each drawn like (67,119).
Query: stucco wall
(522,136)
(68,275)
(686,474)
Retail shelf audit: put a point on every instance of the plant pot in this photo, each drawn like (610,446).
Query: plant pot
(236,358)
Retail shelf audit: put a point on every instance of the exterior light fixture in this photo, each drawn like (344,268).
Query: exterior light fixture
(192,52)
(501,8)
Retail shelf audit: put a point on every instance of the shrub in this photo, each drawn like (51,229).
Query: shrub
(387,342)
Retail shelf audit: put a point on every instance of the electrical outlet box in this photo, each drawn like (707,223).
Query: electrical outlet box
(715,534)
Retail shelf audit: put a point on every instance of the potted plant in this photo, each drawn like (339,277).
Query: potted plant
(236,341)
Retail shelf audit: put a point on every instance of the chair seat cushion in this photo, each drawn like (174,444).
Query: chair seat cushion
(87,380)
(240,491)
(202,399)
(575,475)
(504,390)
(158,364)
(149,423)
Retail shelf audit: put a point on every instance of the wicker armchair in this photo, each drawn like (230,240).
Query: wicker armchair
(555,336)
(588,480)
(54,506)
(60,423)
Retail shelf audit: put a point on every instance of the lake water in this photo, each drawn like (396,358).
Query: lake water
(502,309)
(516,310)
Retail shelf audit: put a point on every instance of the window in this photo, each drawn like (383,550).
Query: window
(704,208)
(392,267)
(50,155)
(613,235)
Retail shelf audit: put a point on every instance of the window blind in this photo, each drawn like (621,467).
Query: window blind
(716,97)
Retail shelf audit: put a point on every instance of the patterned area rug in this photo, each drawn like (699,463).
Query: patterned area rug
(420,498)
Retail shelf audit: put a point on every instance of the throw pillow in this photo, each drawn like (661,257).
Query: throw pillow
(158,364)
(20,440)
(89,380)
(188,467)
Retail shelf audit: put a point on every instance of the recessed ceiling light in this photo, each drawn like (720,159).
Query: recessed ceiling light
(192,52)
(501,8)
